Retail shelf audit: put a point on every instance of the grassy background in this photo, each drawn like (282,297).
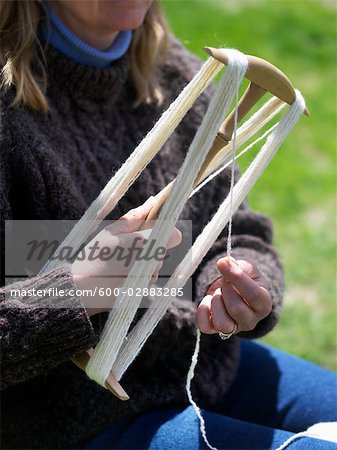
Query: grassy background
(298,189)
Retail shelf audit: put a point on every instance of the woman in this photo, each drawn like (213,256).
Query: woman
(82,83)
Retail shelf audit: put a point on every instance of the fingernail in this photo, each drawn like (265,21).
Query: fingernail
(206,299)
(149,200)
(229,264)
(232,260)
(217,291)
(225,263)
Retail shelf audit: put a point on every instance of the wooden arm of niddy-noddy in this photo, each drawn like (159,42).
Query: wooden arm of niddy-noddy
(81,361)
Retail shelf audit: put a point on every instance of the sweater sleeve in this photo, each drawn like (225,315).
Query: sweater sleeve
(38,328)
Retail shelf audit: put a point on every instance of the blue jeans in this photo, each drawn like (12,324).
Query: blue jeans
(273,396)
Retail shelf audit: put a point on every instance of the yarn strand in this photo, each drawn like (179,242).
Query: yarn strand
(229,237)
(190,377)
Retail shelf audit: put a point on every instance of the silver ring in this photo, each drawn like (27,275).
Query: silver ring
(225,336)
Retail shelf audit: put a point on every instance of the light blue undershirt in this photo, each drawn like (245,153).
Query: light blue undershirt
(59,36)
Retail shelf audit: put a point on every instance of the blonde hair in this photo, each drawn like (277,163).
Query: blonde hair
(20,46)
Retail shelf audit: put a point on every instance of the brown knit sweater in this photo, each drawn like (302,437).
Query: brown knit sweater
(52,166)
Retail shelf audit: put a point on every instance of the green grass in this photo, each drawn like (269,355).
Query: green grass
(298,190)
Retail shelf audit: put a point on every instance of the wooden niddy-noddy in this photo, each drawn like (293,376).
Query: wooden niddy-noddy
(264,77)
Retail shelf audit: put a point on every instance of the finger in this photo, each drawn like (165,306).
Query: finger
(253,272)
(141,211)
(244,316)
(133,245)
(128,249)
(133,242)
(221,320)
(214,286)
(257,296)
(144,235)
(133,219)
(175,239)
(204,322)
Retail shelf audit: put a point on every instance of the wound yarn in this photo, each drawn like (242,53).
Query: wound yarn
(143,329)
(121,316)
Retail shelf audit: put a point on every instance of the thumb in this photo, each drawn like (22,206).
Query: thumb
(133,219)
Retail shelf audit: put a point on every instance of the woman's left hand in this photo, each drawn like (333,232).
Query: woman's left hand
(235,302)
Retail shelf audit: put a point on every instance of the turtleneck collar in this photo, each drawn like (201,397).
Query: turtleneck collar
(54,32)
(66,75)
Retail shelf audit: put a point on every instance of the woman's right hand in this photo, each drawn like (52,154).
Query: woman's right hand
(108,258)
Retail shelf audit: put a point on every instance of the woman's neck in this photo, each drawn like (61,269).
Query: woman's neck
(58,32)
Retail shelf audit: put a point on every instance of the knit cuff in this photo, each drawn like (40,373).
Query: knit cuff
(266,259)
(42,331)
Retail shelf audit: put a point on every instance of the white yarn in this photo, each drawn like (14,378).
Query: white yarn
(137,161)
(291,439)
(227,163)
(213,229)
(121,316)
(229,237)
(190,377)
(140,333)
(246,131)
(142,155)
(324,430)
(257,121)
(249,128)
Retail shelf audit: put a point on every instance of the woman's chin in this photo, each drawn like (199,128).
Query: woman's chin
(129,21)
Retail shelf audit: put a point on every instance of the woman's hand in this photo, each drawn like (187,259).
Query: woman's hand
(236,301)
(110,255)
